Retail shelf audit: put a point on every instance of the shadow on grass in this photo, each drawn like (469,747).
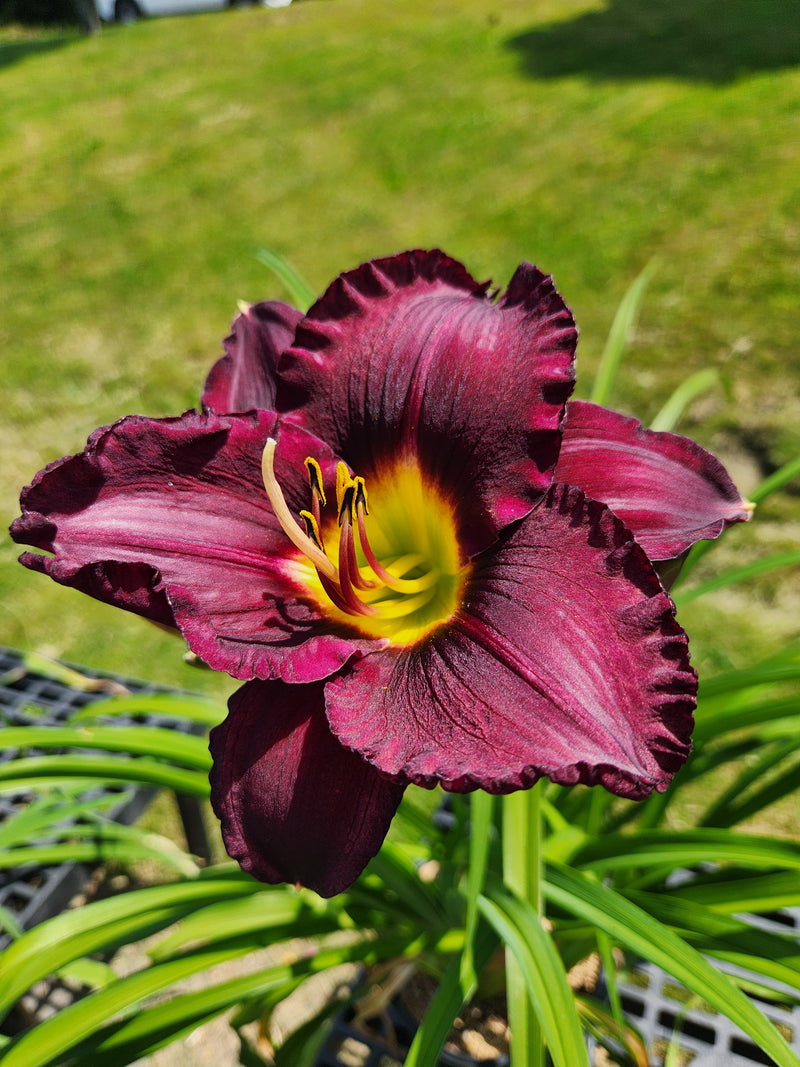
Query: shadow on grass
(713,41)
(15,51)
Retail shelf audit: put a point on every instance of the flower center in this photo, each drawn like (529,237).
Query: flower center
(391,568)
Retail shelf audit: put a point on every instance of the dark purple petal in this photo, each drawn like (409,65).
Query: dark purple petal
(295,805)
(169,519)
(668,490)
(409,358)
(564,660)
(244,379)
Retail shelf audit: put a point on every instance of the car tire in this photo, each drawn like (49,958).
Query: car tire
(126,11)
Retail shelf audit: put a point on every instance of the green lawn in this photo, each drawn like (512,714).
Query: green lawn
(141,170)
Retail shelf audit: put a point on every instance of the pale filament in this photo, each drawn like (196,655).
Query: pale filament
(285,517)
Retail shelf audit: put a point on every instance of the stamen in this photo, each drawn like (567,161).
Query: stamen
(347,559)
(343,481)
(346,499)
(315,478)
(312,529)
(285,517)
(361,494)
(390,596)
(317,490)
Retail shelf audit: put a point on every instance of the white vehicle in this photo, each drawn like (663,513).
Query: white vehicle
(131,10)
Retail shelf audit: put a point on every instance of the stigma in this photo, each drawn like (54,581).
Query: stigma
(388,586)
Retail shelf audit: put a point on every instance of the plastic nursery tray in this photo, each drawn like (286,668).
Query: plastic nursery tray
(33,894)
(663,1012)
(348,1045)
(653,1002)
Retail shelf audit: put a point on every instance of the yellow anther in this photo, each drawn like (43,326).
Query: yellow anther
(315,477)
(361,494)
(312,529)
(347,503)
(343,481)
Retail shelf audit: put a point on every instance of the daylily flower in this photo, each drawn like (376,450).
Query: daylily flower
(425,564)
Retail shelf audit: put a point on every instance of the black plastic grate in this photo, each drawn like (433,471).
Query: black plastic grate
(664,1012)
(33,894)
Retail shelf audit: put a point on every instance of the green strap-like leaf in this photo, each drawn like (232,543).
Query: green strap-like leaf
(65,805)
(685,848)
(47,1042)
(193,708)
(783,667)
(773,955)
(36,773)
(450,996)
(481,805)
(399,875)
(103,1043)
(737,575)
(102,850)
(170,745)
(522,931)
(630,926)
(777,480)
(106,924)
(261,912)
(713,720)
(737,892)
(757,800)
(300,292)
(695,385)
(780,478)
(621,329)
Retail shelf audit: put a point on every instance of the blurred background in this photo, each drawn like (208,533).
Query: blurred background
(142,168)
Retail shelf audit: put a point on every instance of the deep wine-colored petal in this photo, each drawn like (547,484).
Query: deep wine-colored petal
(409,358)
(169,519)
(295,805)
(244,378)
(564,660)
(667,489)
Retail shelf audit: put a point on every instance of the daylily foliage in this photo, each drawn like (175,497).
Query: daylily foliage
(426,564)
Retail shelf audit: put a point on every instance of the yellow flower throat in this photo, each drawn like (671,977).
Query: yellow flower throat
(400,579)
